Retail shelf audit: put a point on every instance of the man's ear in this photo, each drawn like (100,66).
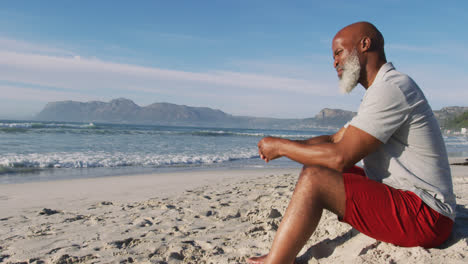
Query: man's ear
(365,44)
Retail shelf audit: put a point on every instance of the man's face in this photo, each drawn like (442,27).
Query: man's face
(346,63)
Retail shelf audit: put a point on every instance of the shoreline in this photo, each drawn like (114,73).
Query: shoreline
(213,216)
(63,174)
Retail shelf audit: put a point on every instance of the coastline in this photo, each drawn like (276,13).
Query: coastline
(213,216)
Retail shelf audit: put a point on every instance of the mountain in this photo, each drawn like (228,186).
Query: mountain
(456,120)
(330,117)
(126,111)
(446,115)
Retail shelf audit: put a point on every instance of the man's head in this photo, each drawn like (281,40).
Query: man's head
(358,49)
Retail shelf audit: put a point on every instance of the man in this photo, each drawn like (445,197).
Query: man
(404,194)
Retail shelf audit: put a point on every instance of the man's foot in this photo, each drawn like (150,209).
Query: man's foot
(259,260)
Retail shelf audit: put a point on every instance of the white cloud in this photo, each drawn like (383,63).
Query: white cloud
(89,74)
(454,50)
(7,44)
(262,88)
(78,78)
(11,92)
(316,68)
(21,102)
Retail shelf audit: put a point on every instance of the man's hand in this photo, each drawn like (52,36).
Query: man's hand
(338,152)
(269,148)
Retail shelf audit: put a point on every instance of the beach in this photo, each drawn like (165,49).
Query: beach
(206,216)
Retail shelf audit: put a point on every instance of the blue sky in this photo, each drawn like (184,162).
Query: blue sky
(257,58)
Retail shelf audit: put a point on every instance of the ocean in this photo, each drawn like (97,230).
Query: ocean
(44,151)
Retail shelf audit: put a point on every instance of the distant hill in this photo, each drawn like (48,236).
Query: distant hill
(446,116)
(457,122)
(330,117)
(126,111)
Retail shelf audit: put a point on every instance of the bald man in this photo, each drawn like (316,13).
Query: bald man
(404,193)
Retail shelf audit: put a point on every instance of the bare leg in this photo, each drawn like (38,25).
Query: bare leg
(318,188)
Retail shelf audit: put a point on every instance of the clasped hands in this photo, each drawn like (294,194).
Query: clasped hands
(269,148)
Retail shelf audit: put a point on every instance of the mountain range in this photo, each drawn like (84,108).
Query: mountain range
(125,111)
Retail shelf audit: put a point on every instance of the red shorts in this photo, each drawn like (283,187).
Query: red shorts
(391,215)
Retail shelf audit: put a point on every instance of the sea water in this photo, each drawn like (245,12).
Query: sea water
(41,151)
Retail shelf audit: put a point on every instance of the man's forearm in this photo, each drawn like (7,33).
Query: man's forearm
(324,154)
(320,150)
(337,152)
(316,140)
(324,139)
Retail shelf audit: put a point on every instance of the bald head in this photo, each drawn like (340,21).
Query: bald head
(353,34)
(363,42)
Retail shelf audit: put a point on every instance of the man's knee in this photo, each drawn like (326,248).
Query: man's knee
(327,184)
(313,176)
(314,172)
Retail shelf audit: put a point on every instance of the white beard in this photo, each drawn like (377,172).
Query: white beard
(351,72)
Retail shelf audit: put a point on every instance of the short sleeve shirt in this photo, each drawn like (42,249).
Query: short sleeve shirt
(413,156)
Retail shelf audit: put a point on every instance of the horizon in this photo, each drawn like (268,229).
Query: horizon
(139,105)
(260,59)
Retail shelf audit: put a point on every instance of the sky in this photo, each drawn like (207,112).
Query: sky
(255,58)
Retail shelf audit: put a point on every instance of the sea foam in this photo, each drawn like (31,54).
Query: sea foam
(104,159)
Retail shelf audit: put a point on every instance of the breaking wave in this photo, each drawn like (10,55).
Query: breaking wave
(109,160)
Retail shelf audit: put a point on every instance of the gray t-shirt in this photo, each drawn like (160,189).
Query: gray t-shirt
(413,156)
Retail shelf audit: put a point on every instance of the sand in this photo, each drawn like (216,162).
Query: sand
(187,217)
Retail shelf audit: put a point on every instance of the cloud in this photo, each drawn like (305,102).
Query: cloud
(13,92)
(7,44)
(89,74)
(49,74)
(316,68)
(454,50)
(22,102)
(282,88)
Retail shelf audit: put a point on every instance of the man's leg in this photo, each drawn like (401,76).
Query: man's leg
(318,188)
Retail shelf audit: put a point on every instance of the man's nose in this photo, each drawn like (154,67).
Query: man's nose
(335,63)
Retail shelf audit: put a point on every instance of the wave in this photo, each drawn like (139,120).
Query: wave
(109,160)
(64,128)
(11,170)
(456,140)
(31,125)
(13,130)
(214,133)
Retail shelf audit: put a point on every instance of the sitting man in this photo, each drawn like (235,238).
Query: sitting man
(404,194)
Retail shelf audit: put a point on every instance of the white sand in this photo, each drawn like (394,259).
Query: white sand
(187,217)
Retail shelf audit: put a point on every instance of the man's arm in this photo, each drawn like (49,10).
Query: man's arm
(345,148)
(324,138)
